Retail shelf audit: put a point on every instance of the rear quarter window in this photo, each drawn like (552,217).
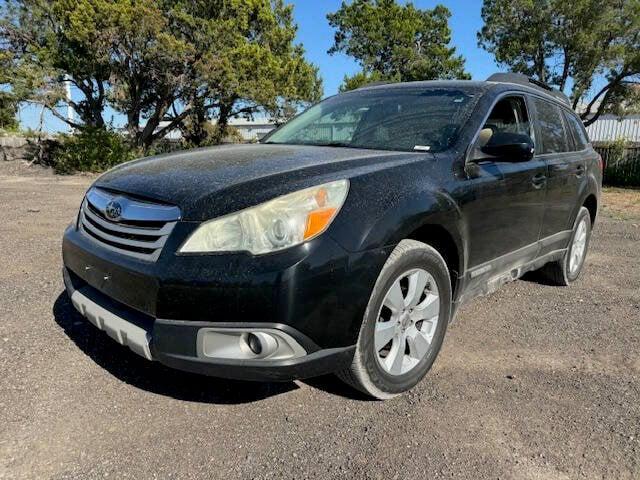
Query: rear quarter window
(552,133)
(577,130)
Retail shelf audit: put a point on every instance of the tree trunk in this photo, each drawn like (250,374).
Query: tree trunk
(605,93)
(89,110)
(147,136)
(226,107)
(196,132)
(565,71)
(133,126)
(540,66)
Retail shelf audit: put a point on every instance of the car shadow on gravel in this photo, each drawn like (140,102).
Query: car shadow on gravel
(152,376)
(333,385)
(538,277)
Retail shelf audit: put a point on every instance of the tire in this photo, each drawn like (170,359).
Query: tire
(560,272)
(381,373)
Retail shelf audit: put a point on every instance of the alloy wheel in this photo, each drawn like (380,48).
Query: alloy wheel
(407,322)
(578,247)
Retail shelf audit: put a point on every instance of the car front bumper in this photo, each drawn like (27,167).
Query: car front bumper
(313,297)
(176,343)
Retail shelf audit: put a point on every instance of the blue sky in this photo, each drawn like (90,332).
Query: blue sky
(316,35)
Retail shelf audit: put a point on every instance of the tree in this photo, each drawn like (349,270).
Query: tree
(118,53)
(395,42)
(361,78)
(150,64)
(51,42)
(8,103)
(8,110)
(161,64)
(251,65)
(574,46)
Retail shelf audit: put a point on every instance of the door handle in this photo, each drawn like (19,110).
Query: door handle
(539,180)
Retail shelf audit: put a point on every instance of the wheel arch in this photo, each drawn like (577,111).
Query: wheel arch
(440,238)
(591,204)
(589,197)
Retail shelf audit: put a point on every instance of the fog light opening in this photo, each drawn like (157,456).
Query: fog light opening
(247,344)
(254,344)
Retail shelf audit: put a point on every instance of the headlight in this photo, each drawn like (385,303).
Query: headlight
(274,225)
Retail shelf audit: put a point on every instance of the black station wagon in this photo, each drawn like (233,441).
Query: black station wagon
(344,241)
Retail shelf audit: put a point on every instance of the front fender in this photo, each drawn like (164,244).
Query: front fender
(385,210)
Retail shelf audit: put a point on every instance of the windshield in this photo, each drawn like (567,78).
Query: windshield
(406,119)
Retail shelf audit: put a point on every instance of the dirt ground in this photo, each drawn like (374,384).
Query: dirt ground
(622,203)
(533,382)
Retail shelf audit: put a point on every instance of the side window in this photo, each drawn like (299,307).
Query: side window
(508,115)
(554,138)
(580,138)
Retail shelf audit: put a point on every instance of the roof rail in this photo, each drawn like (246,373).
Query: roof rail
(373,84)
(521,79)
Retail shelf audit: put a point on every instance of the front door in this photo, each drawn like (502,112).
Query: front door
(504,201)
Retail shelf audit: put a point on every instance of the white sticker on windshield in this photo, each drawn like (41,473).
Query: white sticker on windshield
(422,148)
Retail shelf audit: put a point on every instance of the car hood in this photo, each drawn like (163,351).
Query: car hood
(212,181)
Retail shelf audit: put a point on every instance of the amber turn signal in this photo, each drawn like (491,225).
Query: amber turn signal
(317,221)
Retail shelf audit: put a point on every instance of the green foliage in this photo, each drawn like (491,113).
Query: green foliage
(250,64)
(92,150)
(47,40)
(214,137)
(622,161)
(570,45)
(8,101)
(8,110)
(361,79)
(395,42)
(159,62)
(616,149)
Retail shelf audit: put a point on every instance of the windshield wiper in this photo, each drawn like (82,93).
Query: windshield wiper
(336,144)
(328,144)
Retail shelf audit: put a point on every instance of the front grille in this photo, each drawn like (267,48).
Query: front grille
(126,225)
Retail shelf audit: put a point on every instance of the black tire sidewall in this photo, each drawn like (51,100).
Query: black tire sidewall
(581,214)
(429,260)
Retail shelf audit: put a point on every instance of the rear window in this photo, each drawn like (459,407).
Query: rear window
(552,132)
(580,138)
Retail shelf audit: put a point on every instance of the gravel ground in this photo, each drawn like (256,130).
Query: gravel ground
(533,382)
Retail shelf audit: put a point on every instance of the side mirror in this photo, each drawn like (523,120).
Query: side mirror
(510,147)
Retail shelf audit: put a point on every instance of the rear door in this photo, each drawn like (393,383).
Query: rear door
(566,164)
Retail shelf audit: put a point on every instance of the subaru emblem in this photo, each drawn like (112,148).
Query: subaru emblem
(113,210)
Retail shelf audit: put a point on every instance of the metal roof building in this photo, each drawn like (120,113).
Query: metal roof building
(610,127)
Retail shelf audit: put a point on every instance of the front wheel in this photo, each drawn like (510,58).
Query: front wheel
(404,323)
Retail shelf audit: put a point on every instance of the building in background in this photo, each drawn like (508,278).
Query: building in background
(609,128)
(249,130)
(252,130)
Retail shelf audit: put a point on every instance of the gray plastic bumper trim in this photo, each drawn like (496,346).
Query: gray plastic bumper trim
(123,332)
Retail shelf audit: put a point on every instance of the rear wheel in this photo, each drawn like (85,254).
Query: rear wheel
(567,270)
(404,324)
